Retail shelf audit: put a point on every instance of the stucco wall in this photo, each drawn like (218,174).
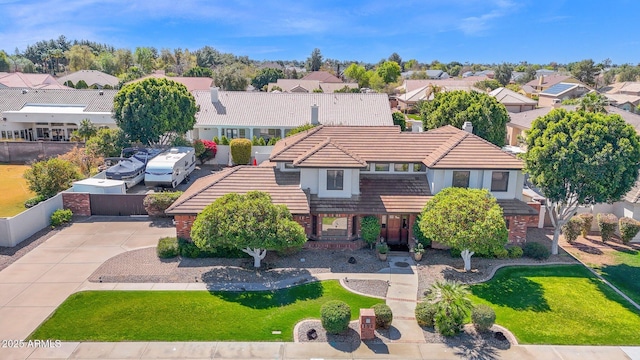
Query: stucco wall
(26,151)
(16,229)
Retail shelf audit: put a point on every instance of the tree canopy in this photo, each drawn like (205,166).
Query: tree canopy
(579,158)
(469,220)
(357,73)
(314,62)
(593,102)
(231,78)
(488,116)
(250,222)
(585,71)
(389,71)
(266,76)
(49,177)
(154,111)
(502,74)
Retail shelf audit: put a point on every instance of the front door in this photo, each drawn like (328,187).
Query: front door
(394,224)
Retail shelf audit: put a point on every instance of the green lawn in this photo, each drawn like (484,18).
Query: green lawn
(14,190)
(414,117)
(192,315)
(625,275)
(559,305)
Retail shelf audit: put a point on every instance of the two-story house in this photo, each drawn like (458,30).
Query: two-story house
(332,176)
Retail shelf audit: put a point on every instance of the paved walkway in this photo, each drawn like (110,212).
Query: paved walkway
(32,287)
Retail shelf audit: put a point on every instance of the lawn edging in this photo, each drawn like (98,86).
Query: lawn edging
(342,283)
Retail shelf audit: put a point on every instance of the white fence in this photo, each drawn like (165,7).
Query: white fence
(260,153)
(16,229)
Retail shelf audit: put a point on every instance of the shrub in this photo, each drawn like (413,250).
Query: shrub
(167,247)
(49,177)
(240,151)
(261,142)
(417,233)
(628,228)
(370,229)
(501,253)
(300,128)
(483,317)
(224,140)
(289,251)
(188,249)
(425,312)
(273,141)
(515,252)
(335,316)
(571,229)
(607,225)
(384,316)
(216,140)
(254,141)
(455,253)
(157,203)
(382,248)
(61,216)
(34,201)
(587,221)
(452,304)
(536,251)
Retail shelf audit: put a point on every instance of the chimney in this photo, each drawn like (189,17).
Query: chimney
(541,80)
(314,115)
(556,103)
(214,95)
(468,127)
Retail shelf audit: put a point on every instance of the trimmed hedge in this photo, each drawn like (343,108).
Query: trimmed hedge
(515,252)
(240,151)
(607,225)
(34,201)
(501,253)
(384,316)
(417,233)
(370,229)
(335,316)
(536,251)
(167,247)
(587,222)
(483,317)
(157,203)
(571,229)
(425,313)
(628,228)
(61,216)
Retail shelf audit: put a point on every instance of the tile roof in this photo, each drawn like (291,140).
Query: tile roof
(623,98)
(516,207)
(284,189)
(288,85)
(510,97)
(421,93)
(14,99)
(558,89)
(446,147)
(322,76)
(379,194)
(329,154)
(548,80)
(30,81)
(191,83)
(91,77)
(409,85)
(289,110)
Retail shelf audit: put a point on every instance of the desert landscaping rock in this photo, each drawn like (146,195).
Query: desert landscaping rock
(469,340)
(368,287)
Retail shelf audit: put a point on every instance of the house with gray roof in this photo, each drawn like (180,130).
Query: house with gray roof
(560,92)
(240,114)
(52,115)
(513,101)
(93,78)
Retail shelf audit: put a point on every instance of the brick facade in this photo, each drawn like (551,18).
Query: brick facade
(518,227)
(334,245)
(183,225)
(78,203)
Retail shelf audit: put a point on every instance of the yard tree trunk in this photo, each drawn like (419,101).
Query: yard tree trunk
(560,214)
(466,257)
(258,255)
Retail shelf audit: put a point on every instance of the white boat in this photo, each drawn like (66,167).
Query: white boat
(170,168)
(130,169)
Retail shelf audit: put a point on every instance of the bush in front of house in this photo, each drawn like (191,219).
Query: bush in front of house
(240,151)
(483,317)
(628,228)
(571,229)
(61,216)
(370,229)
(515,252)
(417,233)
(335,316)
(188,249)
(384,315)
(167,247)
(536,251)
(607,225)
(501,253)
(155,204)
(425,312)
(587,221)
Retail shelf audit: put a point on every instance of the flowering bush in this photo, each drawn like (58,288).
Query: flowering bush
(205,149)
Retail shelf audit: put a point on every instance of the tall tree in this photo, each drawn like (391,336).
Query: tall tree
(154,111)
(143,56)
(397,59)
(585,71)
(207,57)
(627,72)
(80,58)
(389,71)
(198,72)
(502,74)
(488,116)
(266,76)
(231,78)
(107,142)
(251,223)
(580,158)
(469,220)
(314,62)
(107,63)
(357,73)
(593,102)
(124,60)
(4,61)
(87,129)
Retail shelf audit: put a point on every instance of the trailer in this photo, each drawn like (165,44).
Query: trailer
(170,168)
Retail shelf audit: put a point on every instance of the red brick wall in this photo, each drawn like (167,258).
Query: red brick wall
(183,225)
(518,227)
(349,237)
(334,245)
(305,222)
(78,203)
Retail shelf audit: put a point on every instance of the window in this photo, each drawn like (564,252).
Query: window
(334,226)
(269,133)
(288,165)
(383,221)
(382,167)
(400,167)
(314,225)
(354,226)
(460,179)
(419,168)
(231,133)
(335,179)
(499,181)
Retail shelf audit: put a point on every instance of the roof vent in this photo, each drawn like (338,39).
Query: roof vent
(100,92)
(24,91)
(214,95)
(468,127)
(314,115)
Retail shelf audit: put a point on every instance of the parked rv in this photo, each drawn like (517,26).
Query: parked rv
(130,165)
(170,168)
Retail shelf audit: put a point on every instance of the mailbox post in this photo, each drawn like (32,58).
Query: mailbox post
(367,324)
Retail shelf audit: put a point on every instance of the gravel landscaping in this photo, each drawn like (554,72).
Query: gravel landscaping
(376,288)
(350,339)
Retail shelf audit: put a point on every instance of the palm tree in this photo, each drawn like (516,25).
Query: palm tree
(452,303)
(86,129)
(593,102)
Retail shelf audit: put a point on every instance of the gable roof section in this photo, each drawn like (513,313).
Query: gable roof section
(510,97)
(472,152)
(20,80)
(14,99)
(290,110)
(548,80)
(322,76)
(284,189)
(191,83)
(558,89)
(91,77)
(329,154)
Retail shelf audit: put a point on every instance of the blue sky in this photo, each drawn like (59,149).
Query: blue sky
(485,31)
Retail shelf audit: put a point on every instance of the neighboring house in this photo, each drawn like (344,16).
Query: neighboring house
(93,78)
(624,95)
(191,83)
(52,114)
(309,86)
(544,82)
(246,114)
(560,92)
(527,91)
(330,177)
(513,101)
(322,76)
(20,80)
(408,101)
(431,74)
(409,85)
